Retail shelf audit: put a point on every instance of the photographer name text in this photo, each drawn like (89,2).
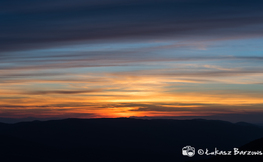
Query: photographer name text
(235,151)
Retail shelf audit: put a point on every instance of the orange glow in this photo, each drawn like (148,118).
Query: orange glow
(120,96)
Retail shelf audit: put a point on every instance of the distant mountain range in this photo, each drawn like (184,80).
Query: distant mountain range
(120,140)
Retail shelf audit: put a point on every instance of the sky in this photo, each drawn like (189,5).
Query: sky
(132,58)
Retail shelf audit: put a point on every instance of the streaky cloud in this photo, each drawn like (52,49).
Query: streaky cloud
(63,92)
(36,24)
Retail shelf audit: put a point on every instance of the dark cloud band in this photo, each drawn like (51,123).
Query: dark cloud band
(33,24)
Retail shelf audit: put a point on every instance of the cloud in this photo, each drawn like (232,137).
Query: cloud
(190,107)
(34,24)
(65,92)
(29,74)
(142,51)
(192,73)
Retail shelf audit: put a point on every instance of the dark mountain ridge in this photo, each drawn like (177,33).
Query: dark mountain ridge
(123,139)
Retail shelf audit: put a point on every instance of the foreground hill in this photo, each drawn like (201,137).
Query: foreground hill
(118,139)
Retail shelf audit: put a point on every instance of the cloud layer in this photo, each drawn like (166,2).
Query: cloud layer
(33,24)
(154,58)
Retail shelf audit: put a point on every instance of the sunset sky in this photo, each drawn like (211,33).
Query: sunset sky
(131,58)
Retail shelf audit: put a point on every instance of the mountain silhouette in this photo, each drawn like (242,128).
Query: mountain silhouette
(119,140)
